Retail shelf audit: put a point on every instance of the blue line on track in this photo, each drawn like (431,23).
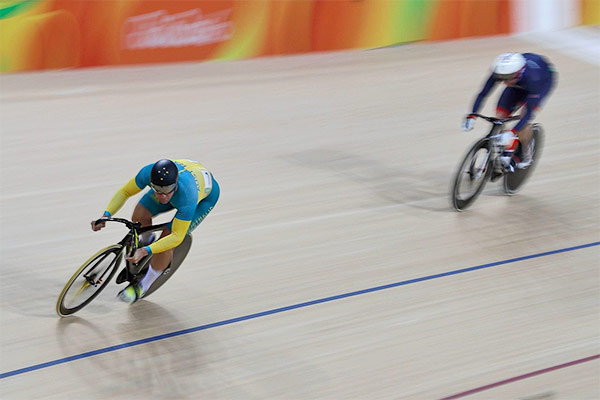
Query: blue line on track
(283,309)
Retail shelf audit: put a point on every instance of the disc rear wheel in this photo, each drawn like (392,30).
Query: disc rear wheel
(515,180)
(179,255)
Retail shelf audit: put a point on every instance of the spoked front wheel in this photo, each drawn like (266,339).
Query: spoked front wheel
(473,173)
(515,180)
(89,280)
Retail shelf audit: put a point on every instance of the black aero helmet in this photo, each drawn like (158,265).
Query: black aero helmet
(163,177)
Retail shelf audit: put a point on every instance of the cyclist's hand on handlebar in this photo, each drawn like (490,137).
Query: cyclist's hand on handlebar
(468,122)
(138,255)
(97,226)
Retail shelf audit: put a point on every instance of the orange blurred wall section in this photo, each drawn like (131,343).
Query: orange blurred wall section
(590,12)
(453,19)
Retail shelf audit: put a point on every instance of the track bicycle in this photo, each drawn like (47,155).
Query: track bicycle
(483,163)
(95,274)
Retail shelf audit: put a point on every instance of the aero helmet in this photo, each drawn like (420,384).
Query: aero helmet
(163,177)
(509,65)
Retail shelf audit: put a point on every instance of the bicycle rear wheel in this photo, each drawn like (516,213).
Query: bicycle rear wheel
(179,255)
(472,175)
(89,280)
(514,181)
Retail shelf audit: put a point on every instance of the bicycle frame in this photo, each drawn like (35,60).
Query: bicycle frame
(131,239)
(494,137)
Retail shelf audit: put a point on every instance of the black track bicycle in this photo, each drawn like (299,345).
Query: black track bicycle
(95,274)
(483,163)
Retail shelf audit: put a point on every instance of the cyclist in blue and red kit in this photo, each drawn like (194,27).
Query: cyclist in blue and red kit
(184,185)
(529,79)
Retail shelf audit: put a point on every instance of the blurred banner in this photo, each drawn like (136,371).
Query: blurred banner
(46,34)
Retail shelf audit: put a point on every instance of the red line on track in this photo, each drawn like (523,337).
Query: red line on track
(521,377)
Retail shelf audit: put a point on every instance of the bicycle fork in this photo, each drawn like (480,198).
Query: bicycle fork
(91,277)
(488,161)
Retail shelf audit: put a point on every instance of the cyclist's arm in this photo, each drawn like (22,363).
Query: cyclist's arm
(179,229)
(128,190)
(489,85)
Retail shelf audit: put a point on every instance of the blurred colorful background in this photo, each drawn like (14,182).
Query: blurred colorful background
(50,34)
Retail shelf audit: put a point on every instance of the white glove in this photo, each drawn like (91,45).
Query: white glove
(468,123)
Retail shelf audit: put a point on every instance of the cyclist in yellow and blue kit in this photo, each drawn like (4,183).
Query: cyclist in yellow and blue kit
(184,185)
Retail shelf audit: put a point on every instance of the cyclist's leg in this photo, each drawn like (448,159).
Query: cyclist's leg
(509,102)
(545,93)
(143,216)
(526,134)
(160,261)
(204,207)
(146,209)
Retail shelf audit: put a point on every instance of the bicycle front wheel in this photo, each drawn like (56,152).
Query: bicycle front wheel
(472,175)
(89,280)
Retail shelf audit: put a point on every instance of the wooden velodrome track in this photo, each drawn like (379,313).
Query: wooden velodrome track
(332,266)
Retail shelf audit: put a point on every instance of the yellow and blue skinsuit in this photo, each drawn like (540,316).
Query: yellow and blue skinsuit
(196,194)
